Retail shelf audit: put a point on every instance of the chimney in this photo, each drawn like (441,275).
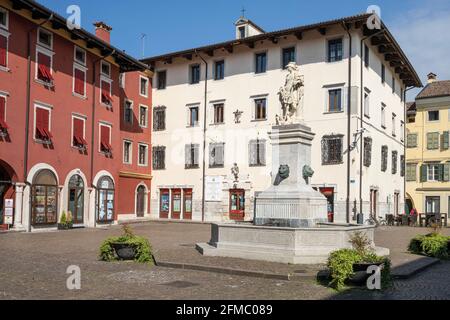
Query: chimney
(432,77)
(103,31)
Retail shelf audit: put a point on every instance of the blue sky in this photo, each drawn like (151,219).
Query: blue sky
(421,27)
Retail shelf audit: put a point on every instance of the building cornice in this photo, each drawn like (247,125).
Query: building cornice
(135,175)
(384,41)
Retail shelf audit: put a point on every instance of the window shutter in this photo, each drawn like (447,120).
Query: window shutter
(212,154)
(252,153)
(196,151)
(436,141)
(220,154)
(78,126)
(262,152)
(423,173)
(187,152)
(445,140)
(429,141)
(79,82)
(441,172)
(163,158)
(3,46)
(446,172)
(44,67)
(325,150)
(104,139)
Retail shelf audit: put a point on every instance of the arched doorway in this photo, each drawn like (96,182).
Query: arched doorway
(105,200)
(76,199)
(409,204)
(44,198)
(140,201)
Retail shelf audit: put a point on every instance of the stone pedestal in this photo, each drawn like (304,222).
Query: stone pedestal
(290,201)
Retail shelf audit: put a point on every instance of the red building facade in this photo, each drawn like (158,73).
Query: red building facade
(64,123)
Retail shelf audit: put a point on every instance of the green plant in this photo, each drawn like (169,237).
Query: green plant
(341,264)
(141,245)
(415,246)
(63,219)
(361,243)
(69,218)
(433,245)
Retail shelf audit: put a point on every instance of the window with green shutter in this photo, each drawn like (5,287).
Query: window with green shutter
(411,172)
(411,141)
(433,140)
(445,140)
(423,173)
(446,172)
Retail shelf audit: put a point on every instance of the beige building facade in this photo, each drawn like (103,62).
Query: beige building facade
(428,153)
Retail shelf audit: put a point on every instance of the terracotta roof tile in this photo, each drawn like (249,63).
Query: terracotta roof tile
(435,89)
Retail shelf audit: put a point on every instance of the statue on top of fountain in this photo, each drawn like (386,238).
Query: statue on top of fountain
(290,96)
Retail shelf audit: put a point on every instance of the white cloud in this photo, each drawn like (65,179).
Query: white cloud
(424,35)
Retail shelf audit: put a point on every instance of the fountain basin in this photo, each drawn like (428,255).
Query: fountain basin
(281,244)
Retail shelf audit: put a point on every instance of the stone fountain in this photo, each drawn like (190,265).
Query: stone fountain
(290,222)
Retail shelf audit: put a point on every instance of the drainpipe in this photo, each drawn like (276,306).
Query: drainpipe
(204,136)
(349,117)
(27,115)
(94,84)
(405,140)
(361,143)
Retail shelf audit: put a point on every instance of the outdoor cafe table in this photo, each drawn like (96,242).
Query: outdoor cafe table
(442,217)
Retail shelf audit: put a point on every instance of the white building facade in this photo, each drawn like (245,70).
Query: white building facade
(353,101)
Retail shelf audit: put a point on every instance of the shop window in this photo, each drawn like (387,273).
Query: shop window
(105,200)
(44,204)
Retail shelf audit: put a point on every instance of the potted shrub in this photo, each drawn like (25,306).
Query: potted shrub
(349,266)
(66,221)
(128,246)
(432,245)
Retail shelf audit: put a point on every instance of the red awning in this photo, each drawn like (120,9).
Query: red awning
(107,97)
(80,141)
(45,72)
(106,146)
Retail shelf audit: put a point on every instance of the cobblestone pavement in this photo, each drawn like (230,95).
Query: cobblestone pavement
(33,266)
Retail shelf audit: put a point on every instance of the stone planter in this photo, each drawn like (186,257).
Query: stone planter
(124,251)
(65,226)
(360,272)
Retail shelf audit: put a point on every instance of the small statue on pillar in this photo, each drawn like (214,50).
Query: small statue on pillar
(235,173)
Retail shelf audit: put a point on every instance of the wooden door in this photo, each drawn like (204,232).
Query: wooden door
(140,202)
(176,204)
(237,205)
(187,204)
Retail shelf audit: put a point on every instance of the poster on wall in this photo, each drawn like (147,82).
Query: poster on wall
(213,188)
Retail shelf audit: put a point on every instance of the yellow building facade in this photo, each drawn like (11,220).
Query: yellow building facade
(428,153)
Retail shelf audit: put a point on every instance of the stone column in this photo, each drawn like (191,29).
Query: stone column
(290,201)
(18,207)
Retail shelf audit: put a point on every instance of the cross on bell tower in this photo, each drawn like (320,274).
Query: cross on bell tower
(243,12)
